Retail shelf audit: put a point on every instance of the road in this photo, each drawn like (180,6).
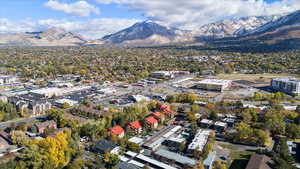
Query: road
(4,125)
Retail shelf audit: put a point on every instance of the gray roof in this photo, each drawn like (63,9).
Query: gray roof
(125,165)
(105,146)
(176,157)
(210,159)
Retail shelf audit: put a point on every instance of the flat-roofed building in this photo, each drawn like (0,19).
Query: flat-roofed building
(220,126)
(214,84)
(286,85)
(206,123)
(175,159)
(162,74)
(7,79)
(199,141)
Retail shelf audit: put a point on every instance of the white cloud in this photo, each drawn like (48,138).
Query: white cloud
(79,8)
(191,14)
(91,29)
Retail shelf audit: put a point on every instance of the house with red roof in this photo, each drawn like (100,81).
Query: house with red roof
(135,127)
(117,131)
(151,122)
(166,109)
(159,116)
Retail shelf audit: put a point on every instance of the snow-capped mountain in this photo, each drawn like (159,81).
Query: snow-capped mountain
(286,27)
(51,37)
(232,27)
(147,32)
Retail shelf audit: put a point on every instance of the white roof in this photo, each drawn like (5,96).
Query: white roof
(46,90)
(206,121)
(123,158)
(177,139)
(219,123)
(69,101)
(136,140)
(131,153)
(154,162)
(215,81)
(136,163)
(199,140)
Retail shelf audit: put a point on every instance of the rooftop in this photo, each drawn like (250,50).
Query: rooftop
(215,81)
(176,157)
(259,162)
(210,159)
(151,120)
(199,140)
(135,125)
(117,130)
(287,79)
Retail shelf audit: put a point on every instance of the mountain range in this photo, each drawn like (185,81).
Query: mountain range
(269,29)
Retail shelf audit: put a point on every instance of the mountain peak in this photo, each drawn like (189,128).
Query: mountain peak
(142,31)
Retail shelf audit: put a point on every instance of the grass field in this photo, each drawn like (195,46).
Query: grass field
(266,77)
(228,146)
(240,159)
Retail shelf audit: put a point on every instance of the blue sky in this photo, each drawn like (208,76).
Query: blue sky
(94,18)
(35,9)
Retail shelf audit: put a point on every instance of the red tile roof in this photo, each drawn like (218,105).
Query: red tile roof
(167,111)
(117,130)
(157,115)
(151,120)
(165,107)
(135,125)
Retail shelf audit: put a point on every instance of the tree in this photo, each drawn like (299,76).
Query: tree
(191,116)
(195,108)
(66,105)
(298,109)
(275,123)
(110,160)
(219,165)
(18,137)
(293,131)
(213,116)
(181,147)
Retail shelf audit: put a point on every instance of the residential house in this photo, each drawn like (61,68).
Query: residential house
(6,136)
(166,109)
(220,126)
(151,122)
(41,127)
(205,123)
(105,146)
(117,131)
(159,116)
(135,127)
(258,161)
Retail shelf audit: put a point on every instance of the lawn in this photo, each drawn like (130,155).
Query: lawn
(240,159)
(228,146)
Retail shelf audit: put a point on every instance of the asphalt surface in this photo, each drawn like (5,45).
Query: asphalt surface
(4,125)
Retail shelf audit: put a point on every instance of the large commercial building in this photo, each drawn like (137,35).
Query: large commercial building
(286,85)
(7,79)
(199,141)
(214,84)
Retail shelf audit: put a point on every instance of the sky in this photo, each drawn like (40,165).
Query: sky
(96,18)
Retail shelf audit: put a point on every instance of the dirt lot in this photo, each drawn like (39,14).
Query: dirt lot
(257,78)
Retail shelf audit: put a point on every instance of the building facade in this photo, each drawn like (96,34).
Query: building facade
(286,85)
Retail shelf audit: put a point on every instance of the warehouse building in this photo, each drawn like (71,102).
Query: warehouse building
(214,84)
